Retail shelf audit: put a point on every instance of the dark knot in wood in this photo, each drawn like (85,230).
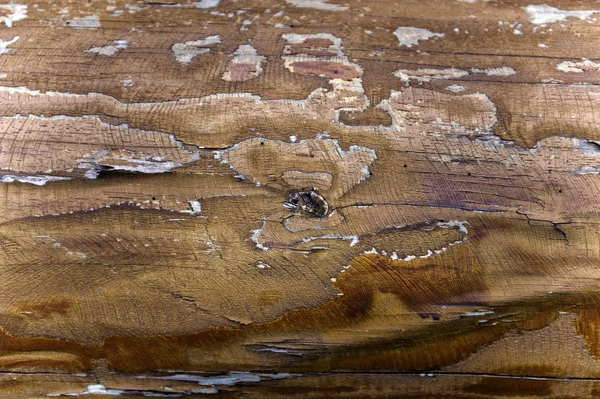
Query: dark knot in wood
(309,201)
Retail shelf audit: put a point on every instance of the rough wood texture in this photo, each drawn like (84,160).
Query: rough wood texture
(305,198)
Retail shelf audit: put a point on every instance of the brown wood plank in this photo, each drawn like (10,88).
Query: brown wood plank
(299,198)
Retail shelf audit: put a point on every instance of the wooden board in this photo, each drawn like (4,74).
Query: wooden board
(300,198)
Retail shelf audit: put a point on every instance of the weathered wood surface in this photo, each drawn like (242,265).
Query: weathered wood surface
(147,151)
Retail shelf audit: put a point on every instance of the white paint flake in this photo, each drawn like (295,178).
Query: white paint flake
(93,389)
(206,3)
(409,36)
(132,8)
(4,45)
(578,66)
(89,22)
(500,71)
(245,24)
(317,4)
(479,312)
(109,50)
(455,88)
(232,378)
(427,74)
(12,13)
(456,223)
(37,180)
(588,147)
(262,265)
(587,170)
(195,208)
(12,90)
(545,14)
(353,239)
(185,52)
(256,236)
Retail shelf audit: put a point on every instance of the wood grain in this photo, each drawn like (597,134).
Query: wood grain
(299,198)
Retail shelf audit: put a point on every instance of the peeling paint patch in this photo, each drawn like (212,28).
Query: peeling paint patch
(578,66)
(89,22)
(37,180)
(319,54)
(109,50)
(501,71)
(427,74)
(4,45)
(312,155)
(545,14)
(107,159)
(245,65)
(206,3)
(317,4)
(185,52)
(10,13)
(434,112)
(409,36)
(94,146)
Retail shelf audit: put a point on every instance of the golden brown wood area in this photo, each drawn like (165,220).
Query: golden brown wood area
(300,198)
